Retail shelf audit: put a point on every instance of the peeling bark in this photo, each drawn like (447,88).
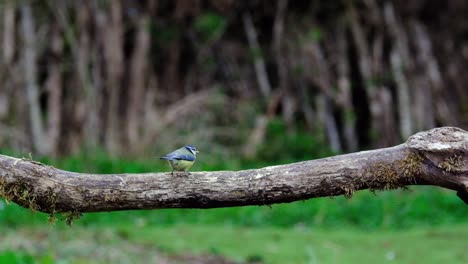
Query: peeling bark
(436,157)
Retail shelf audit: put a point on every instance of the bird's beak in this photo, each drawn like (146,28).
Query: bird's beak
(196,151)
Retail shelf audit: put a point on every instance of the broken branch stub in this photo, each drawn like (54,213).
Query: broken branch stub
(445,151)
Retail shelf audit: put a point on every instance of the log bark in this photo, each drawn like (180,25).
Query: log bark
(436,157)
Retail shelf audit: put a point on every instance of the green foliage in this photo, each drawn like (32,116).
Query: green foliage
(165,34)
(316,34)
(14,257)
(298,69)
(255,54)
(291,146)
(210,26)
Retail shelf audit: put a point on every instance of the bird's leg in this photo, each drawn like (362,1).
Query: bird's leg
(188,173)
(172,172)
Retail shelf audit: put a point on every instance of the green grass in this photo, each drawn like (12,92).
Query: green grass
(10,256)
(302,245)
(144,244)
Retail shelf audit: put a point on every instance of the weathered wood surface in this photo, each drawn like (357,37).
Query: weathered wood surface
(436,157)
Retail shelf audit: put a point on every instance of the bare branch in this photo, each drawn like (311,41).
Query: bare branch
(437,157)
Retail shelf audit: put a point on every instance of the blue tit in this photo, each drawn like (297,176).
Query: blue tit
(181,159)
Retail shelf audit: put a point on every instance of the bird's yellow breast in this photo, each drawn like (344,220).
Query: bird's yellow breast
(181,165)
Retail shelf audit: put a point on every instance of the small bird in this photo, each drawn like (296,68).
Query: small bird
(181,159)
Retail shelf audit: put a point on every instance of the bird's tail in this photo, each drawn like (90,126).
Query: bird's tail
(164,158)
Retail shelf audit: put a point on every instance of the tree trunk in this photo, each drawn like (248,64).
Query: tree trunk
(259,62)
(136,90)
(400,64)
(114,61)
(8,39)
(436,157)
(30,78)
(345,97)
(53,85)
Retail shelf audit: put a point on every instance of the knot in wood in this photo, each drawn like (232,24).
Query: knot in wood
(442,139)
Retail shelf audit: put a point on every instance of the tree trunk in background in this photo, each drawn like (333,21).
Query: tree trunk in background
(427,75)
(114,63)
(90,84)
(259,63)
(279,48)
(400,63)
(9,17)
(110,73)
(28,34)
(345,98)
(321,77)
(138,82)
(325,112)
(7,30)
(53,85)
(365,69)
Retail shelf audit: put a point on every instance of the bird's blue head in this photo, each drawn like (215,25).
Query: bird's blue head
(192,149)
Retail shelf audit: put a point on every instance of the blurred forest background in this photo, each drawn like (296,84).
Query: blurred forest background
(131,75)
(104,86)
